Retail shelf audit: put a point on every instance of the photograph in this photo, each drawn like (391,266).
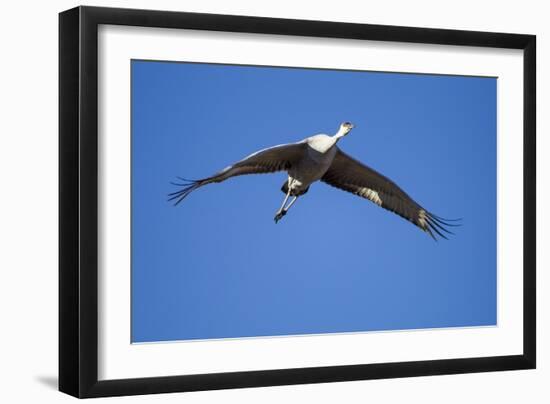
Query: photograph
(272,201)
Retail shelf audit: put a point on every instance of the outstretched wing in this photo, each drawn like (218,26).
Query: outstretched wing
(272,159)
(350,175)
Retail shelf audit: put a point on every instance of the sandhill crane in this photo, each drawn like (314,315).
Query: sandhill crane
(318,158)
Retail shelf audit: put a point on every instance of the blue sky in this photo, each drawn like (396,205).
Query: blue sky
(216,266)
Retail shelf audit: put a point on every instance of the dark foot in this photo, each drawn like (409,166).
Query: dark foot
(279,215)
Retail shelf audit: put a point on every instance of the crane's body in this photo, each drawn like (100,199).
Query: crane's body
(319,153)
(318,158)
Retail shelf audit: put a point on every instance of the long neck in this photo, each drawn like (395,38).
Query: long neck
(340,134)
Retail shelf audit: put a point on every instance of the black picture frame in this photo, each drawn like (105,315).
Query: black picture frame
(78,201)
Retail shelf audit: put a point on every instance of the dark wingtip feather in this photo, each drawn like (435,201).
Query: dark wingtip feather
(434,228)
(445,222)
(427,230)
(439,225)
(435,224)
(186,180)
(181,194)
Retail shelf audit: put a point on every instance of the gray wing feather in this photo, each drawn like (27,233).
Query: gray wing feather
(350,175)
(269,160)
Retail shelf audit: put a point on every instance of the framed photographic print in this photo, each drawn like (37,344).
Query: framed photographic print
(251,201)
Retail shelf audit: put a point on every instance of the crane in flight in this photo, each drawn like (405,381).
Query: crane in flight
(318,158)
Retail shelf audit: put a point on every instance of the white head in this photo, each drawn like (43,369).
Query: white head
(345,128)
